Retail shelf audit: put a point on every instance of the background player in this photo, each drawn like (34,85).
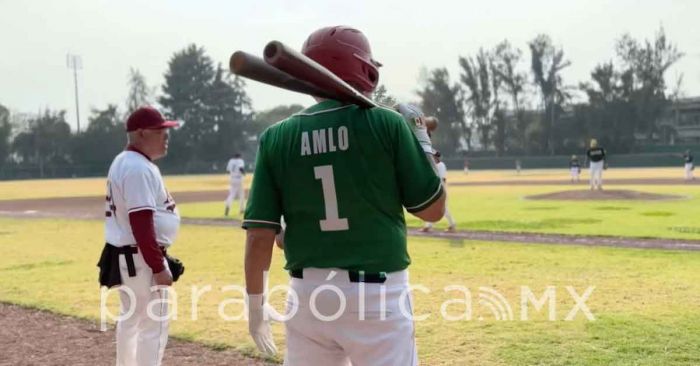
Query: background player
(689,167)
(574,169)
(442,173)
(596,159)
(236,170)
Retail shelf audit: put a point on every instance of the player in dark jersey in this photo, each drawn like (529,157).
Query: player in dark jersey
(596,159)
(341,176)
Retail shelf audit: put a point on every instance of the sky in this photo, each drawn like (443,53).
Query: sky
(111,36)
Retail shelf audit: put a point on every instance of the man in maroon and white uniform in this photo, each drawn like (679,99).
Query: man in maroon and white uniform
(142,222)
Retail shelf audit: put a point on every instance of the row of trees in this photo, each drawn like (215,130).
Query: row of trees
(505,104)
(213,106)
(500,102)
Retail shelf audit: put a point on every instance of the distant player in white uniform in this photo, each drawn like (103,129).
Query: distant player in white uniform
(442,173)
(236,170)
(574,169)
(596,158)
(142,221)
(689,167)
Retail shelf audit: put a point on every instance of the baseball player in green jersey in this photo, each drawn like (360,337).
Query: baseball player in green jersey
(341,176)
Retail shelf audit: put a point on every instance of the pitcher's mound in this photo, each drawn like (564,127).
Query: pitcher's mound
(605,195)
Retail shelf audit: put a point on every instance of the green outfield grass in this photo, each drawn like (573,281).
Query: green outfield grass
(504,208)
(25,189)
(645,301)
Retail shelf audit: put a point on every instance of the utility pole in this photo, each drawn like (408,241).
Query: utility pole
(74,62)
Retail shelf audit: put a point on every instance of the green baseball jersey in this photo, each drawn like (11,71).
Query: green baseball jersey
(341,176)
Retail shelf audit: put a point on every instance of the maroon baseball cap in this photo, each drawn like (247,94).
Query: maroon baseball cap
(147,118)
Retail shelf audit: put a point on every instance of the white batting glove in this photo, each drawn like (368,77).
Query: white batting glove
(259,324)
(414,117)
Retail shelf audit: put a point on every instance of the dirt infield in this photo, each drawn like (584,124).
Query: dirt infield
(34,337)
(566,182)
(605,195)
(86,207)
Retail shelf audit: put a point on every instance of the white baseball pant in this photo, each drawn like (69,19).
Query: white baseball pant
(364,333)
(575,174)
(236,192)
(142,336)
(688,171)
(596,170)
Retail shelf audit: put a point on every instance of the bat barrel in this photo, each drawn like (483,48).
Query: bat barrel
(255,68)
(304,68)
(272,52)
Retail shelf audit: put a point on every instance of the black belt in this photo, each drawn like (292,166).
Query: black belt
(128,252)
(354,276)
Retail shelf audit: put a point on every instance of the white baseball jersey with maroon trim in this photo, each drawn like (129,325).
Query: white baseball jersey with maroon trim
(134,183)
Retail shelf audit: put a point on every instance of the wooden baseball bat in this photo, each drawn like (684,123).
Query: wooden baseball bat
(306,69)
(253,67)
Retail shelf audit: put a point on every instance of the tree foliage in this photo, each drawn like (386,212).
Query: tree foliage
(5,134)
(482,87)
(500,102)
(547,62)
(444,100)
(381,95)
(268,117)
(645,64)
(214,109)
(104,137)
(45,140)
(139,92)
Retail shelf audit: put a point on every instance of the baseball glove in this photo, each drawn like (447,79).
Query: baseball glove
(176,266)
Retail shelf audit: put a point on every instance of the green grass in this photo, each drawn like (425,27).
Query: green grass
(26,189)
(645,301)
(505,209)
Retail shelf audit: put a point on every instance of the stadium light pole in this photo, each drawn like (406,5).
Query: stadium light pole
(74,62)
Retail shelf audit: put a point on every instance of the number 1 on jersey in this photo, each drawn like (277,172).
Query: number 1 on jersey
(332,222)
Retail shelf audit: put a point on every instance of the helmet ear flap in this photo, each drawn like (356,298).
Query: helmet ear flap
(372,74)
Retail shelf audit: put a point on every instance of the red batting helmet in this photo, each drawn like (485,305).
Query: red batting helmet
(345,52)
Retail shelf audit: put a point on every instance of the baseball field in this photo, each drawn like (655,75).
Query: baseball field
(560,276)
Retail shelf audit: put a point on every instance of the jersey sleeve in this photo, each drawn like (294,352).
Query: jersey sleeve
(140,189)
(419,185)
(263,208)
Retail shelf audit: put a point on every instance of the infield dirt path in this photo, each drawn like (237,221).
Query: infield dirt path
(34,337)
